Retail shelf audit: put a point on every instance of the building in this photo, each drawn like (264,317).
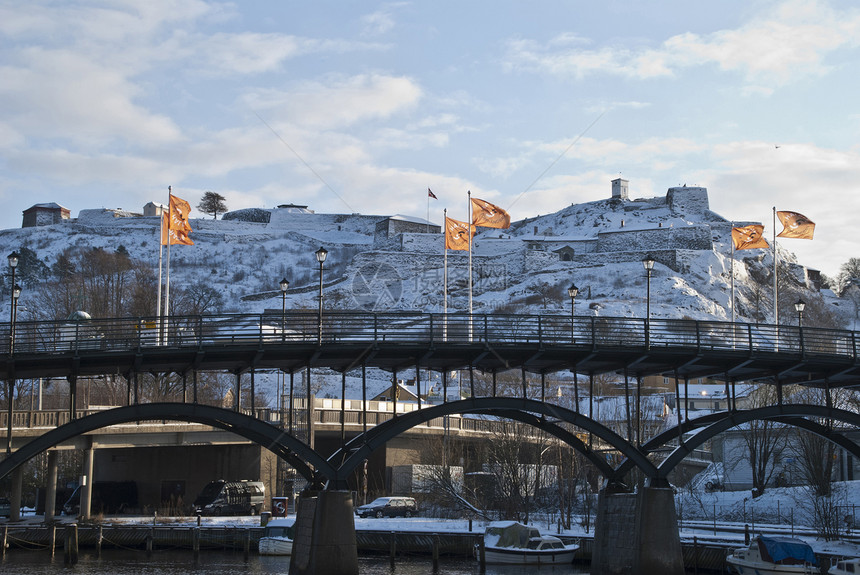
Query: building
(153,209)
(44,215)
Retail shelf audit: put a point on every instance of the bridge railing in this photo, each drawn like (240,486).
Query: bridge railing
(305,327)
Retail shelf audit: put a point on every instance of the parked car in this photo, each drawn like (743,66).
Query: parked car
(231,498)
(389,507)
(107,497)
(5,507)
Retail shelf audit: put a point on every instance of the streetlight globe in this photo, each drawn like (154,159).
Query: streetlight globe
(800,305)
(16,291)
(285,285)
(321,254)
(572,291)
(648,262)
(13,259)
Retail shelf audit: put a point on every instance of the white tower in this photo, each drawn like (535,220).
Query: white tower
(619,189)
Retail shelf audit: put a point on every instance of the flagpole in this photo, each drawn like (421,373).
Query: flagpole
(775,279)
(731,240)
(160,265)
(469,233)
(732,268)
(428,211)
(167,286)
(445,277)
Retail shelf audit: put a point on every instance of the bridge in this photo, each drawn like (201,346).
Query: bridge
(532,344)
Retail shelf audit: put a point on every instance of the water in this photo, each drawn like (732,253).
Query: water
(180,562)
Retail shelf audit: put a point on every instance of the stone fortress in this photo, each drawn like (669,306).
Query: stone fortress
(676,230)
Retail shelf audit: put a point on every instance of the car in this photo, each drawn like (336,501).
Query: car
(5,507)
(389,507)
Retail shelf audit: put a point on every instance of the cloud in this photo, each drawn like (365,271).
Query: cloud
(377,23)
(773,48)
(254,53)
(747,179)
(44,98)
(340,101)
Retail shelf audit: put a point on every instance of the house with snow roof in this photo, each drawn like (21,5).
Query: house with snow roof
(44,215)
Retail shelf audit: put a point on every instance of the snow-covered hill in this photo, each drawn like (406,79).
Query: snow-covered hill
(385,263)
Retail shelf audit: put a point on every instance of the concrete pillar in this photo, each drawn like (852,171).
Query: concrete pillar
(324,541)
(637,534)
(15,495)
(87,488)
(51,487)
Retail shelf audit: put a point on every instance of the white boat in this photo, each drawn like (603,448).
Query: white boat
(846,567)
(277,537)
(512,543)
(774,556)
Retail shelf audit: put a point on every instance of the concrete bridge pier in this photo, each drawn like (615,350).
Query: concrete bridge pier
(87,483)
(51,490)
(637,533)
(324,542)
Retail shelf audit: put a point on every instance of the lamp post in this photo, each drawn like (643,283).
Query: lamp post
(648,263)
(572,291)
(800,305)
(16,293)
(13,264)
(285,285)
(321,255)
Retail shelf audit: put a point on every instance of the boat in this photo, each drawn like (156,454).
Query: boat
(277,537)
(845,567)
(774,556)
(512,543)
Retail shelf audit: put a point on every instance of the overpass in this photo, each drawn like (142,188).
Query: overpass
(397,342)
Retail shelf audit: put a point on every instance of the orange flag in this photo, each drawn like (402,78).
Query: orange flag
(175,225)
(457,234)
(487,215)
(795,226)
(749,237)
(176,237)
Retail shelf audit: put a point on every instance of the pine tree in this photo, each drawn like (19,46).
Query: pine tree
(212,203)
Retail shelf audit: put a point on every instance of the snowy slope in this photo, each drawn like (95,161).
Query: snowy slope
(519,270)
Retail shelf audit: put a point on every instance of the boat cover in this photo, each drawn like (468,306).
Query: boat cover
(786,550)
(509,534)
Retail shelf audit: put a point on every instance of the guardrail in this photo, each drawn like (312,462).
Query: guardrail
(294,328)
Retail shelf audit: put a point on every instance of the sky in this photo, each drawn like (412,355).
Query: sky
(362,106)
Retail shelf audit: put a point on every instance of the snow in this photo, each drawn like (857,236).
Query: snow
(244,261)
(771,513)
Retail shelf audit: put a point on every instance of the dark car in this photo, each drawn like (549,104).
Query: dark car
(389,507)
(5,507)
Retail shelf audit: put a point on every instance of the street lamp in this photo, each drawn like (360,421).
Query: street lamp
(648,263)
(16,293)
(321,255)
(800,305)
(13,263)
(285,285)
(572,291)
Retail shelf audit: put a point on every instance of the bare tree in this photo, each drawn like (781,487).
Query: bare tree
(103,283)
(765,440)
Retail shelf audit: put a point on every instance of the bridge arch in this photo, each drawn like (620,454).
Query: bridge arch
(713,424)
(361,446)
(296,452)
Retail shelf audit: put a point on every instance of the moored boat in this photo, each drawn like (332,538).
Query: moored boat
(512,543)
(277,537)
(845,567)
(774,556)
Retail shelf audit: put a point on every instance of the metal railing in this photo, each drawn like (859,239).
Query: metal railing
(292,328)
